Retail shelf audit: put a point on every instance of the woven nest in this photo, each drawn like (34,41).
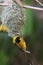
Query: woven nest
(13,18)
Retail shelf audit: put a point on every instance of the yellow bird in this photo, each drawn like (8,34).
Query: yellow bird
(19,41)
(12,22)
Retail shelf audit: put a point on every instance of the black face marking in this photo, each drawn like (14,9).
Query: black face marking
(17,40)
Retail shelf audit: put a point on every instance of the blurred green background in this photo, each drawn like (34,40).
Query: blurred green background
(33,35)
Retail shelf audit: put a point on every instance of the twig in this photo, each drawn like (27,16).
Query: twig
(19,2)
(24,6)
(34,8)
(5,4)
(39,2)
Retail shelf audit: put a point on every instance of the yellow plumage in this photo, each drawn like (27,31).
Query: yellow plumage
(21,44)
(3,28)
(19,41)
(12,22)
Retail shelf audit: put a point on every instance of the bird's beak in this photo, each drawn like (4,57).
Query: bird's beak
(27,51)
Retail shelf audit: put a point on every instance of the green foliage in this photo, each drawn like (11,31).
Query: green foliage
(32,31)
(7,50)
(2,57)
(28,27)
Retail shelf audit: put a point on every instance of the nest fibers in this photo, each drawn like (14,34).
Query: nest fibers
(13,18)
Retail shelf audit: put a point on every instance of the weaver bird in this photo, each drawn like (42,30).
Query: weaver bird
(19,41)
(12,21)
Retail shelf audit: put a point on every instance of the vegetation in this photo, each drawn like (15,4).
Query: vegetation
(10,54)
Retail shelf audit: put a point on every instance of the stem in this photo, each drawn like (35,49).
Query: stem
(34,8)
(24,6)
(39,2)
(5,4)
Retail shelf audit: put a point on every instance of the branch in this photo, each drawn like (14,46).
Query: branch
(39,2)
(24,6)
(34,8)
(19,2)
(5,4)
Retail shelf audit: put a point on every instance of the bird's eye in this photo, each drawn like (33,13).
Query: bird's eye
(17,40)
